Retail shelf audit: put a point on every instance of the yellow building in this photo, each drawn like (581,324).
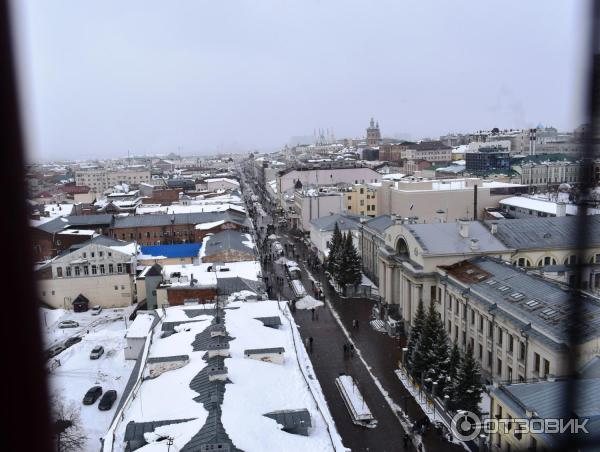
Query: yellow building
(361,199)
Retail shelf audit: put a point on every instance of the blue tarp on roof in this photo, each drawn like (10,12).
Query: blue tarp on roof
(177,250)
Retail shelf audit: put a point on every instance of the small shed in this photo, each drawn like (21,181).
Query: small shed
(271,355)
(81,304)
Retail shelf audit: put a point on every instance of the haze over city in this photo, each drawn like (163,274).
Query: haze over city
(101,79)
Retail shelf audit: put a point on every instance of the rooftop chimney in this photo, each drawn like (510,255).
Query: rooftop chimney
(463,228)
(440,216)
(561,209)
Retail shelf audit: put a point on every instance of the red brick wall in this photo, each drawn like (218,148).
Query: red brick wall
(177,296)
(201,233)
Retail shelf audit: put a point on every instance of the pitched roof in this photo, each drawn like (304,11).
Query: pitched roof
(155,270)
(380,223)
(134,221)
(550,232)
(344,221)
(227,240)
(444,238)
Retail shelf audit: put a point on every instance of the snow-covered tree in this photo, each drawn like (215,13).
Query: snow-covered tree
(467,389)
(453,367)
(335,247)
(415,334)
(431,353)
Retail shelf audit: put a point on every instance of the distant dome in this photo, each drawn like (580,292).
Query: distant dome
(540,126)
(298,185)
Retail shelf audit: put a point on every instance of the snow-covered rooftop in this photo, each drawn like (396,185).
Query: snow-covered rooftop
(140,327)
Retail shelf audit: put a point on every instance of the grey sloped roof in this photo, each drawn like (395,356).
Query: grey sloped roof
(444,238)
(549,232)
(134,221)
(547,399)
(227,286)
(227,240)
(273,321)
(291,419)
(344,222)
(212,433)
(254,351)
(135,430)
(166,359)
(98,240)
(60,223)
(380,223)
(548,317)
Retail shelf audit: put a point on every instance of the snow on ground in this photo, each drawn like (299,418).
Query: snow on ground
(50,318)
(308,302)
(261,387)
(77,373)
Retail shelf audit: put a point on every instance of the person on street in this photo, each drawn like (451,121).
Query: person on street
(345,351)
(351,351)
(405,440)
(310,343)
(312,312)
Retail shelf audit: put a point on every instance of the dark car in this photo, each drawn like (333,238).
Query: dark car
(72,341)
(92,395)
(107,400)
(52,352)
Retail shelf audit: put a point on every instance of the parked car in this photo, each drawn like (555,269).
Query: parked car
(96,310)
(53,351)
(107,400)
(72,341)
(92,395)
(97,352)
(68,324)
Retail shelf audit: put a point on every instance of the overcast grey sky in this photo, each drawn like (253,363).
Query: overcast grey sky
(101,77)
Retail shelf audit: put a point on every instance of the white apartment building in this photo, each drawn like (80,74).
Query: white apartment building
(101,269)
(102,179)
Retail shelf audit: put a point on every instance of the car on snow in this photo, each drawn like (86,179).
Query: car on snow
(107,400)
(68,324)
(92,395)
(72,341)
(53,351)
(96,310)
(97,352)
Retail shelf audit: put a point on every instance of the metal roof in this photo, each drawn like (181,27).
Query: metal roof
(291,420)
(380,223)
(254,351)
(135,221)
(525,299)
(134,432)
(550,232)
(273,321)
(228,240)
(444,238)
(176,250)
(343,220)
(165,359)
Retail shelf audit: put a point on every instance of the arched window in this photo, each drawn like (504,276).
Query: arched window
(522,262)
(402,247)
(546,260)
(571,260)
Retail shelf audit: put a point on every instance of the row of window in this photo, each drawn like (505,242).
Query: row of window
(541,365)
(52,292)
(78,270)
(549,260)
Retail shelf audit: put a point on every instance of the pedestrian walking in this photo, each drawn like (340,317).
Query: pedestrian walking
(307,342)
(310,343)
(351,351)
(345,351)
(312,312)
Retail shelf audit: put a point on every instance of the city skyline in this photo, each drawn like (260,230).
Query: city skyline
(203,78)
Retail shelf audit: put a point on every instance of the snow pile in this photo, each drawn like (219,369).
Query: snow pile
(242,295)
(181,433)
(308,302)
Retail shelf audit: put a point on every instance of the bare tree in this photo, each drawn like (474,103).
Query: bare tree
(68,432)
